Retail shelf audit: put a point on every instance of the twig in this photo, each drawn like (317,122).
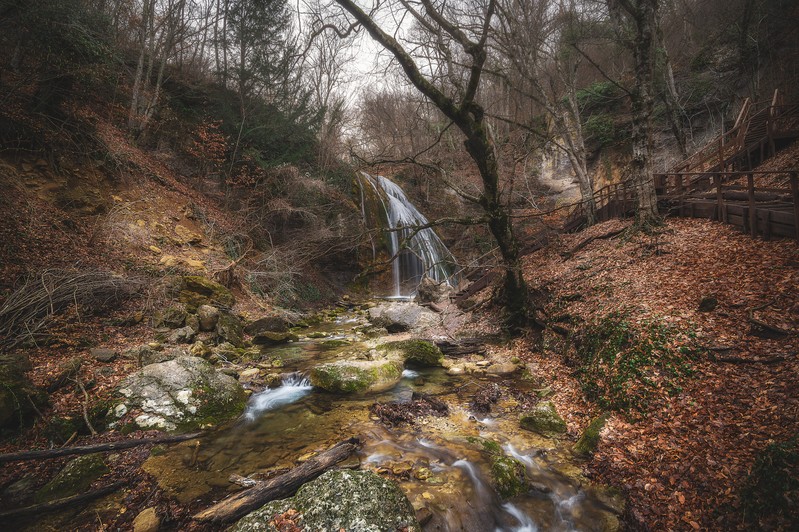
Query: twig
(85,406)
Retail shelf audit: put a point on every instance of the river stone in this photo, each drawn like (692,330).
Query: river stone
(357,501)
(414,352)
(543,418)
(274,338)
(75,478)
(400,317)
(184,393)
(274,324)
(208,316)
(502,368)
(357,376)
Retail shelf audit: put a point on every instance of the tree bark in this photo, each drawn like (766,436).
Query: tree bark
(282,486)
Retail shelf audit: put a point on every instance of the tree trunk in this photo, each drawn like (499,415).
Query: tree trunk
(642,110)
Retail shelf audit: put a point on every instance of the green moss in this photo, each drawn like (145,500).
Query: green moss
(589,440)
(543,419)
(197,290)
(415,352)
(625,365)
(75,478)
(771,491)
(356,376)
(507,474)
(333,344)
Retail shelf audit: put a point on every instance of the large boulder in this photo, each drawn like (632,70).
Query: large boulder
(268,338)
(414,352)
(340,500)
(197,290)
(401,317)
(181,394)
(272,324)
(357,376)
(207,317)
(15,390)
(430,291)
(544,419)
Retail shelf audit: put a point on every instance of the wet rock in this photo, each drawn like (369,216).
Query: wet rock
(341,500)
(146,521)
(357,376)
(503,368)
(184,335)
(508,475)
(249,375)
(230,329)
(103,355)
(400,317)
(274,338)
(543,419)
(75,478)
(197,290)
(274,324)
(208,317)
(414,352)
(184,394)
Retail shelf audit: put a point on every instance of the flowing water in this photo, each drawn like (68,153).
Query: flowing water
(436,462)
(416,252)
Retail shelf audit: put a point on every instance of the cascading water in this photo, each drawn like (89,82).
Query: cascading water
(416,252)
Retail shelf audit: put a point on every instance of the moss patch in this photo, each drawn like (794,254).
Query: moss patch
(508,475)
(589,440)
(543,419)
(197,290)
(75,478)
(357,376)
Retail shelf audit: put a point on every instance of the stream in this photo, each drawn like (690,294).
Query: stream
(437,462)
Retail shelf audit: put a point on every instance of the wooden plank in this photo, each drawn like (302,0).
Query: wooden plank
(750,180)
(795,195)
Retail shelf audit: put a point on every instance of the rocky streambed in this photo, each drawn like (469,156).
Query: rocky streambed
(488,456)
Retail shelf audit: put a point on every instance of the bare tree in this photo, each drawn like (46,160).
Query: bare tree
(450,51)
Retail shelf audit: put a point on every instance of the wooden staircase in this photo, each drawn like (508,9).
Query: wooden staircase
(717,182)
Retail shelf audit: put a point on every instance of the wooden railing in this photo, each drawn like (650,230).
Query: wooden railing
(764,202)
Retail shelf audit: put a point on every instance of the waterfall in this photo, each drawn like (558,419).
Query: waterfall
(416,252)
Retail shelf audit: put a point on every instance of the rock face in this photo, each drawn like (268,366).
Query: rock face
(357,376)
(341,500)
(543,419)
(414,352)
(400,317)
(229,329)
(184,394)
(197,290)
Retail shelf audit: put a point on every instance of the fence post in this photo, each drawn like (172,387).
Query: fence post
(795,194)
(719,197)
(750,179)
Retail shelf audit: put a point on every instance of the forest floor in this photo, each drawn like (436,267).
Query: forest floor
(683,457)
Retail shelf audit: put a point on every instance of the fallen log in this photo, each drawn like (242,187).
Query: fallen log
(584,243)
(62,503)
(95,448)
(282,486)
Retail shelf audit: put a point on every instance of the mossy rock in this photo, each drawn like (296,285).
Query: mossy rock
(268,338)
(173,317)
(543,419)
(589,440)
(341,500)
(76,477)
(415,352)
(15,388)
(230,329)
(508,475)
(197,290)
(334,343)
(357,376)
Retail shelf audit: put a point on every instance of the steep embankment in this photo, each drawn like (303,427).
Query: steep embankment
(677,335)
